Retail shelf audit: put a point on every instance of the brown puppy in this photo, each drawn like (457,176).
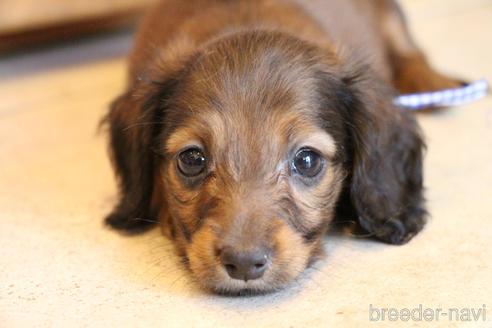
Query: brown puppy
(247,125)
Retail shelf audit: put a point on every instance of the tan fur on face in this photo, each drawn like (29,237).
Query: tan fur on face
(250,122)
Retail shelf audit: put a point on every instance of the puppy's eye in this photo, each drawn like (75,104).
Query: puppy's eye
(191,162)
(307,163)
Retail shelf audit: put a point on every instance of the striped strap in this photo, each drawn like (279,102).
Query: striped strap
(444,98)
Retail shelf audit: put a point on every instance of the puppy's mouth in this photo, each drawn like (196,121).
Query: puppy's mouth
(254,266)
(224,284)
(234,287)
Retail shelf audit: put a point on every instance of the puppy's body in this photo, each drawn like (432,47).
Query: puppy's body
(372,31)
(247,123)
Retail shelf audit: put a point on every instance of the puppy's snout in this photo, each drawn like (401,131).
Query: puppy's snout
(244,265)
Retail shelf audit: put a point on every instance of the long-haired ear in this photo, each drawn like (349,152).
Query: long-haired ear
(133,126)
(135,120)
(386,146)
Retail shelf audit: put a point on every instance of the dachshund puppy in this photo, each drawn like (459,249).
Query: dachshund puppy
(247,126)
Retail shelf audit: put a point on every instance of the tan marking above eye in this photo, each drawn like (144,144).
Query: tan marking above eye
(318,140)
(181,139)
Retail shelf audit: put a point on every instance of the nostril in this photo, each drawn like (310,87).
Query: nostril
(260,260)
(231,268)
(259,265)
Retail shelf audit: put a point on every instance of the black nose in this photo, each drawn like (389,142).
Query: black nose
(244,265)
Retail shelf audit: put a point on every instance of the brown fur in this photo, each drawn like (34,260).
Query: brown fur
(250,83)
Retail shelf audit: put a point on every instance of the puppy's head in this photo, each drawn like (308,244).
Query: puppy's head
(243,148)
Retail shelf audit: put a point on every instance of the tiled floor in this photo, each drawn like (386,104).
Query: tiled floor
(60,267)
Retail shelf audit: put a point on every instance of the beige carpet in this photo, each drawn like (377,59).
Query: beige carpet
(59,267)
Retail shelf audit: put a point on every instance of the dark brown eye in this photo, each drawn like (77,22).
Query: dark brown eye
(307,163)
(191,162)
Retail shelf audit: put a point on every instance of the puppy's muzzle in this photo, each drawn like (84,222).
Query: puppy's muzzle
(244,265)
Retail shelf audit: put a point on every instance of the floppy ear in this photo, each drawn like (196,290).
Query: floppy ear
(131,136)
(386,152)
(136,119)
(133,120)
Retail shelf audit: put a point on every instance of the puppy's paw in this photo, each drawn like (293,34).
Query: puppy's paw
(128,224)
(396,231)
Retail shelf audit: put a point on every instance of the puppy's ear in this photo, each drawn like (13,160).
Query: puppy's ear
(134,121)
(386,153)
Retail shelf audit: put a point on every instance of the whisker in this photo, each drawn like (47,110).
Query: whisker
(343,222)
(140,124)
(178,279)
(145,220)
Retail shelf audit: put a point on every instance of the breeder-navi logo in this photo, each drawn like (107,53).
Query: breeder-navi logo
(420,313)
